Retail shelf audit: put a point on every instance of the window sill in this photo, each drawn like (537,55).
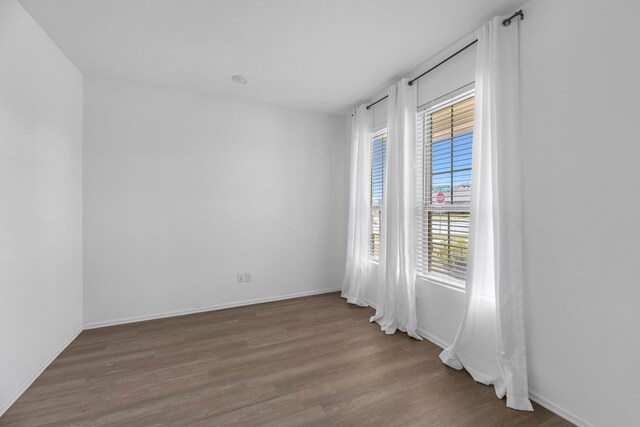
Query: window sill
(457,285)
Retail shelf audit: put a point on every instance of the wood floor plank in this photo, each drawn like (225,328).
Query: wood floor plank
(313,361)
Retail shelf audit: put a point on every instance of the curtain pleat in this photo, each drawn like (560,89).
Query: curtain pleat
(357,262)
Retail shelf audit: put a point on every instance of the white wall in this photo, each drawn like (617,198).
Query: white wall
(183,191)
(579,136)
(40,201)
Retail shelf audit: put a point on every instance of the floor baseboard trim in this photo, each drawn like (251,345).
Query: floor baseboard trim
(125,320)
(4,406)
(437,341)
(424,334)
(569,416)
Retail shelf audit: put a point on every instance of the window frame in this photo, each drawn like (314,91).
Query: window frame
(423,186)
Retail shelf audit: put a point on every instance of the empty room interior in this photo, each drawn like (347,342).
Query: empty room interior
(319,213)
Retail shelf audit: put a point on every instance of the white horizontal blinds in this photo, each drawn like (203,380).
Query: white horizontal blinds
(378,165)
(444,145)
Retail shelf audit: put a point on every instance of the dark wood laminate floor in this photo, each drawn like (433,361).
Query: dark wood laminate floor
(307,361)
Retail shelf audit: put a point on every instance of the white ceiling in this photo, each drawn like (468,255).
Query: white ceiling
(317,55)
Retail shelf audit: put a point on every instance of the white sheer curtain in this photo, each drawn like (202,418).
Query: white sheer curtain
(396,304)
(357,266)
(490,343)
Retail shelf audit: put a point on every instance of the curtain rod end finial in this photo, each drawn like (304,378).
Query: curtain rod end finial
(507,21)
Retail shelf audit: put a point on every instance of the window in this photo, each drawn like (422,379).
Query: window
(444,143)
(378,165)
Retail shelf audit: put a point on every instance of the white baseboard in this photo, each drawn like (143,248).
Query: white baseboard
(4,406)
(424,334)
(437,341)
(569,416)
(124,320)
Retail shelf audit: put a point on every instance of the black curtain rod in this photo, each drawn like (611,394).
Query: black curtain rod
(506,23)
(411,82)
(442,62)
(379,100)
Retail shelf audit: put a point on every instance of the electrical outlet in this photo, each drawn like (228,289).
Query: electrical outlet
(240,278)
(247,277)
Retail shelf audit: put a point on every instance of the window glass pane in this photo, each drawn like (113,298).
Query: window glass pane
(462,187)
(462,151)
(375,234)
(448,237)
(462,120)
(441,156)
(378,160)
(378,165)
(441,188)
